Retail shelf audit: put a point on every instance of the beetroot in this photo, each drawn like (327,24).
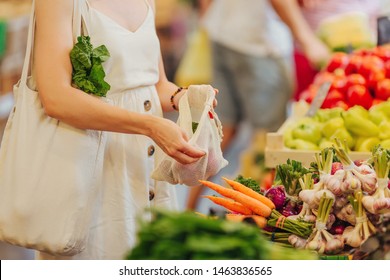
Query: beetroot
(277,195)
(290,209)
(338,227)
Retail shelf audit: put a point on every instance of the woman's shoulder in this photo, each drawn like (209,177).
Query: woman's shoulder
(55,6)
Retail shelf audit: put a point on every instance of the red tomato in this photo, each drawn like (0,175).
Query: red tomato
(387,69)
(359,95)
(339,83)
(370,64)
(353,66)
(333,96)
(374,77)
(383,89)
(383,53)
(338,60)
(355,79)
(363,52)
(341,104)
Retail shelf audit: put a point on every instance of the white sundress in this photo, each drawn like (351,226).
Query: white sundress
(126,189)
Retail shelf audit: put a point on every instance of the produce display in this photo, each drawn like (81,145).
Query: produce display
(332,208)
(360,78)
(188,236)
(362,129)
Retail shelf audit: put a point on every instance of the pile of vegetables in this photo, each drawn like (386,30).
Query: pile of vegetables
(330,208)
(188,236)
(242,200)
(362,129)
(359,78)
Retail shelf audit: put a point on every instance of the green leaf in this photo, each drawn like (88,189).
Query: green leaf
(88,72)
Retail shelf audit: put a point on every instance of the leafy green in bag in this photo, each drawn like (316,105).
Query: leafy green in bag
(88,73)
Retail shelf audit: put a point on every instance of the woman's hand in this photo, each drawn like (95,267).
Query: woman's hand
(316,52)
(310,4)
(174,141)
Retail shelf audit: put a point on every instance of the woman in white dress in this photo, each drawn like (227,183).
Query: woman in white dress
(140,92)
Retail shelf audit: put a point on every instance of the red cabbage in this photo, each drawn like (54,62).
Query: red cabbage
(277,195)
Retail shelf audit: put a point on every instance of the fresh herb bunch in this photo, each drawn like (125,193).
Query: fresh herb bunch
(88,72)
(249,182)
(188,236)
(288,175)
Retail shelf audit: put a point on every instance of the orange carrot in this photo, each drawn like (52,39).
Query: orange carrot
(256,206)
(248,191)
(230,204)
(260,221)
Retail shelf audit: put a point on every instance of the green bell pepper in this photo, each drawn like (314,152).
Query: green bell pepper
(324,115)
(330,126)
(308,131)
(377,116)
(300,144)
(384,130)
(367,144)
(325,143)
(358,110)
(382,107)
(358,125)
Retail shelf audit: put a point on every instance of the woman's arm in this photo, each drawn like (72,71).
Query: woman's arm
(164,87)
(289,11)
(53,70)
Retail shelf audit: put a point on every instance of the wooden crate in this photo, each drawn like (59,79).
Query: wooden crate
(276,153)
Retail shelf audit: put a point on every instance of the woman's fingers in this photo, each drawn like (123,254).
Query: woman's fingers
(187,154)
(174,142)
(184,158)
(192,152)
(215,103)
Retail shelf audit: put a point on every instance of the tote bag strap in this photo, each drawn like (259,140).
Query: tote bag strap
(78,25)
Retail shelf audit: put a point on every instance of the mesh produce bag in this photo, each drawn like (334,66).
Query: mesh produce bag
(195,106)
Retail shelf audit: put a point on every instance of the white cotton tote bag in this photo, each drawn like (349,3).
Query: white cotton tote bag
(48,171)
(195,106)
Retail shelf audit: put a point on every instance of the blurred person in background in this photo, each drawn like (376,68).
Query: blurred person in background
(252,67)
(304,18)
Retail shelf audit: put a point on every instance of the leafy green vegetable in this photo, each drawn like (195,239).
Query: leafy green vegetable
(194,126)
(249,182)
(188,236)
(288,175)
(88,73)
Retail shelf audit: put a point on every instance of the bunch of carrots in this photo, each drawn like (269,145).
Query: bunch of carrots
(241,200)
(245,203)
